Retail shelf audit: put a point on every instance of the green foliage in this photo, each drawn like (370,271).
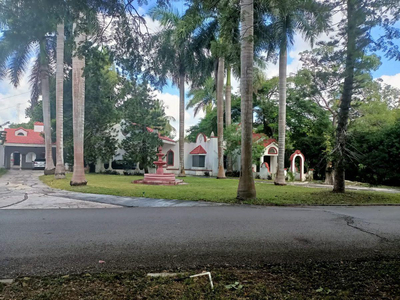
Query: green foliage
(140,146)
(203,98)
(176,53)
(233,137)
(144,117)
(374,146)
(27,125)
(291,176)
(207,125)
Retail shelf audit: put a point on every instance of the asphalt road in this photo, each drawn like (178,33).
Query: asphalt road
(36,242)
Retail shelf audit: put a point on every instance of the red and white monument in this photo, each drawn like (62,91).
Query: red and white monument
(160,178)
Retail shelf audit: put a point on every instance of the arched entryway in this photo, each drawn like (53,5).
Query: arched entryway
(15,160)
(293,157)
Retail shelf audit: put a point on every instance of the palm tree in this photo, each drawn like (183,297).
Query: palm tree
(203,98)
(44,78)
(78,102)
(246,188)
(228,111)
(220,117)
(176,58)
(288,16)
(15,50)
(60,170)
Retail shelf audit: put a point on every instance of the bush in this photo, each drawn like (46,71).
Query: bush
(110,172)
(291,176)
(233,174)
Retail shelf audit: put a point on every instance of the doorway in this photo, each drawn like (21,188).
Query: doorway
(17,159)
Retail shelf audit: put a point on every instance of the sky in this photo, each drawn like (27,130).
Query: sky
(14,101)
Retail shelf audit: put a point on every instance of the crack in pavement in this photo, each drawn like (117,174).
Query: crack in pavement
(18,202)
(350,222)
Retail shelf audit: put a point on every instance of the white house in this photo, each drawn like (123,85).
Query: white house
(201,157)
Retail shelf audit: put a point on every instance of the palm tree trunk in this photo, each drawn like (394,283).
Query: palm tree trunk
(329,170)
(182,125)
(78,102)
(220,117)
(246,188)
(60,169)
(343,115)
(49,169)
(280,178)
(228,112)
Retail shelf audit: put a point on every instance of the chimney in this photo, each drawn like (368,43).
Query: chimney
(38,127)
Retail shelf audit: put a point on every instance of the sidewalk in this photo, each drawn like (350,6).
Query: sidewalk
(348,187)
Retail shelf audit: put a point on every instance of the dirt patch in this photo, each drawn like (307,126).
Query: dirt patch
(361,279)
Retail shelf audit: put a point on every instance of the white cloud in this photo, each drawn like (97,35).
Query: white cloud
(14,101)
(393,80)
(151,26)
(171,103)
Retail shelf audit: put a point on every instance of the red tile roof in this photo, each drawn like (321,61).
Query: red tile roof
(165,138)
(198,150)
(32,137)
(269,142)
(266,142)
(38,123)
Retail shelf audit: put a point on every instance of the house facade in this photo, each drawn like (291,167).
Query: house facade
(22,146)
(201,157)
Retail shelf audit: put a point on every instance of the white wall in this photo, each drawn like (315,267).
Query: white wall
(2,157)
(210,144)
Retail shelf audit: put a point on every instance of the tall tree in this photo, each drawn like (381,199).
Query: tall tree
(60,170)
(78,103)
(228,112)
(308,17)
(177,58)
(23,36)
(361,18)
(45,90)
(220,113)
(145,120)
(246,188)
(321,80)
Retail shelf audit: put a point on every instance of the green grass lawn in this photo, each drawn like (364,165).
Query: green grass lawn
(211,189)
(2,171)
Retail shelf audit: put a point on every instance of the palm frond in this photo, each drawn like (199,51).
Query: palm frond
(35,81)
(167,17)
(18,63)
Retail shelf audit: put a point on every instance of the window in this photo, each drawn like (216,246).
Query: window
(272,150)
(30,157)
(199,161)
(170,158)
(21,132)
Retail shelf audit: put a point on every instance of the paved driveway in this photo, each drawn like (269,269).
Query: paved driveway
(22,189)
